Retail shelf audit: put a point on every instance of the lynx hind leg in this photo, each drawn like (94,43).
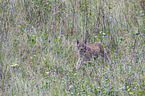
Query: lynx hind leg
(106,56)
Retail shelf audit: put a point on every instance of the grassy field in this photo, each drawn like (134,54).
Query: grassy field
(38,52)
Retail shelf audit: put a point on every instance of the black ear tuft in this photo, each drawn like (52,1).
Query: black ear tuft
(85,41)
(77,41)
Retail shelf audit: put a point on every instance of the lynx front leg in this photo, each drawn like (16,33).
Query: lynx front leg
(79,63)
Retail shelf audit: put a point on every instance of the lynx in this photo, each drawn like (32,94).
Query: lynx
(90,51)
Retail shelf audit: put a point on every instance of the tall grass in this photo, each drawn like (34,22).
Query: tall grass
(38,47)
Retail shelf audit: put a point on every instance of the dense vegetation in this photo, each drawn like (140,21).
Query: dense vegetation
(38,47)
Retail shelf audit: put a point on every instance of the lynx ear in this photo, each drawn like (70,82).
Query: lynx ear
(85,41)
(77,42)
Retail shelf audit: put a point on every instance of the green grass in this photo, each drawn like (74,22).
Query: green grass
(38,53)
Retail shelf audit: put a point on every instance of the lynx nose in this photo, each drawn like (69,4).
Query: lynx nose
(81,49)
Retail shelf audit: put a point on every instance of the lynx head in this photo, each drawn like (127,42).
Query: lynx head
(81,46)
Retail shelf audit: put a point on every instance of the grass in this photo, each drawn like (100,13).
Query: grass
(39,54)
